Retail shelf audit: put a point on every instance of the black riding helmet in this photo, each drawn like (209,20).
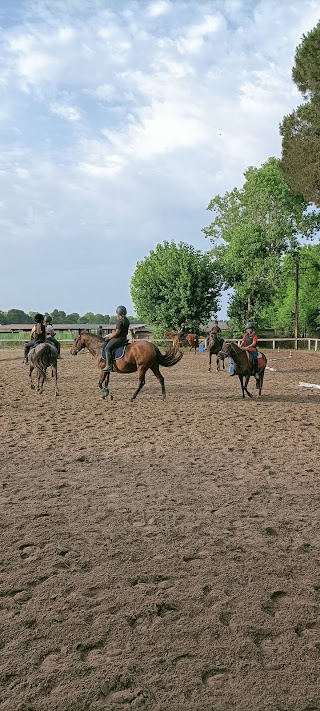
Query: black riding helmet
(38,318)
(251,324)
(47,318)
(121,311)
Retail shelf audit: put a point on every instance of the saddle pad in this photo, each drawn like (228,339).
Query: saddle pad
(119,352)
(260,360)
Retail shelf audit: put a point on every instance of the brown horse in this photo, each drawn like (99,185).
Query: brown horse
(191,340)
(40,358)
(139,356)
(214,347)
(243,365)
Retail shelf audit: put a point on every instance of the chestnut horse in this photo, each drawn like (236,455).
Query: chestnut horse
(40,358)
(139,356)
(191,340)
(243,365)
(214,347)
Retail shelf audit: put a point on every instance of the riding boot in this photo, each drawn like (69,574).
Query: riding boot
(108,365)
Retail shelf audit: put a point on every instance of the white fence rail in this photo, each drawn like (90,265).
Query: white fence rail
(310,344)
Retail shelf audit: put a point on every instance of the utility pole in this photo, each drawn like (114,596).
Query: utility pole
(296,316)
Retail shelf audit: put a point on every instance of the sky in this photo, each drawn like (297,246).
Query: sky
(119,121)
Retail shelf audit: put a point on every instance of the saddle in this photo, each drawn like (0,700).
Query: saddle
(118,352)
(260,361)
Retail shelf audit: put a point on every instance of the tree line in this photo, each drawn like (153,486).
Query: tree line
(19,316)
(260,236)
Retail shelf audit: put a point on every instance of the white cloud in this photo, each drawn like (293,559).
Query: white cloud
(70,113)
(164,105)
(158,8)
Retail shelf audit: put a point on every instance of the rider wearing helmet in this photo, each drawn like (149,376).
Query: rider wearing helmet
(117,338)
(38,335)
(249,343)
(182,332)
(51,333)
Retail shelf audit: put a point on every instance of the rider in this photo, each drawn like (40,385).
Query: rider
(117,338)
(249,343)
(51,333)
(216,329)
(182,332)
(38,335)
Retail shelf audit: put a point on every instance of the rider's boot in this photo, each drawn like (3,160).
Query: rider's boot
(108,365)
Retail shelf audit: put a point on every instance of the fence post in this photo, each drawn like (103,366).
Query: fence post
(316,344)
(309,344)
(273,345)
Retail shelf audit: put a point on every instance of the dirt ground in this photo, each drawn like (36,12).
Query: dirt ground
(161,556)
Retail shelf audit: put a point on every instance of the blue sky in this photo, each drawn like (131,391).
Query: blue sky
(119,121)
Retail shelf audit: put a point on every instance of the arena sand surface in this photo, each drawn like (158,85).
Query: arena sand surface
(160,556)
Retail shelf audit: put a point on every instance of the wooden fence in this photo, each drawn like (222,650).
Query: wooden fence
(309,344)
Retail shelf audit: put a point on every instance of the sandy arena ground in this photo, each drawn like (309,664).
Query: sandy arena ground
(161,556)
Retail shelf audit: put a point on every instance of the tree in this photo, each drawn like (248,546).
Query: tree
(175,283)
(300,130)
(282,311)
(58,316)
(3,318)
(72,318)
(251,231)
(18,316)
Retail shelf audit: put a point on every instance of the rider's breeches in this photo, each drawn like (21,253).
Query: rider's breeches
(56,343)
(112,344)
(28,346)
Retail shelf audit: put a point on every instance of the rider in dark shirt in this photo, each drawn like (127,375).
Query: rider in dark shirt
(249,343)
(38,335)
(117,338)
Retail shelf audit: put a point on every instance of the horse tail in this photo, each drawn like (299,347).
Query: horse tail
(43,359)
(168,359)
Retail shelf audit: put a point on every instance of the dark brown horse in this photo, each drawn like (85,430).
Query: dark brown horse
(40,358)
(191,340)
(243,365)
(214,347)
(139,356)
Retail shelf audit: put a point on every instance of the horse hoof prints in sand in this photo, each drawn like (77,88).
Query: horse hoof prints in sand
(139,356)
(243,365)
(40,358)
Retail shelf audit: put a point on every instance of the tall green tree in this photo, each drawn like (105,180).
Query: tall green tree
(175,283)
(253,227)
(282,311)
(300,130)
(58,316)
(18,316)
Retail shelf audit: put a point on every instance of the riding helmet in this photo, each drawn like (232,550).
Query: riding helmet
(251,324)
(47,318)
(38,318)
(121,311)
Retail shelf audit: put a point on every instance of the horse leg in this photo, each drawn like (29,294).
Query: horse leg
(106,390)
(102,378)
(241,383)
(32,385)
(218,365)
(246,384)
(141,374)
(156,372)
(55,372)
(261,382)
(210,356)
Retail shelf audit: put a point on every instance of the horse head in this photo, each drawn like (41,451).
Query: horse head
(225,350)
(77,345)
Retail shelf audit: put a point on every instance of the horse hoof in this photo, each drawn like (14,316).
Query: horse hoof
(111,397)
